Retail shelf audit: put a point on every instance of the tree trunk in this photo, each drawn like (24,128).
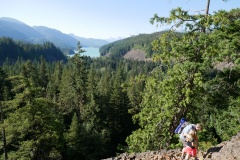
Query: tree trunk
(207,8)
(206,14)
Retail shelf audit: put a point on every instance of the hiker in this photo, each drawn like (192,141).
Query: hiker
(191,148)
(195,127)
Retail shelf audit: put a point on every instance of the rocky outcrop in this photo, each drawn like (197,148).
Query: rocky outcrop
(228,150)
(153,155)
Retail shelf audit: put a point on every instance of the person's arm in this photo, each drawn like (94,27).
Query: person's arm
(196,140)
(193,145)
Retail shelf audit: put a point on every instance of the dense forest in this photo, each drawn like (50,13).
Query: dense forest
(69,110)
(12,50)
(94,108)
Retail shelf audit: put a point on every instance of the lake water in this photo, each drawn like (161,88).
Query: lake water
(91,51)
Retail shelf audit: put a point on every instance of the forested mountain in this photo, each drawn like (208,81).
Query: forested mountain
(18,30)
(13,50)
(121,47)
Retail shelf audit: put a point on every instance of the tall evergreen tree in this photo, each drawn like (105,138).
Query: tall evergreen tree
(73,140)
(5,92)
(120,119)
(79,67)
(43,74)
(53,88)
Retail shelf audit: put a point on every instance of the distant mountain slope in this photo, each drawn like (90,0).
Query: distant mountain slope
(90,41)
(121,47)
(18,30)
(58,38)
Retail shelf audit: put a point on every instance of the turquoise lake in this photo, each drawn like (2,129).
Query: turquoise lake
(91,51)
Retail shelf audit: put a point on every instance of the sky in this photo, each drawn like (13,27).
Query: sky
(102,19)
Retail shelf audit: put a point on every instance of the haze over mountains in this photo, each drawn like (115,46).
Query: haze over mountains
(18,30)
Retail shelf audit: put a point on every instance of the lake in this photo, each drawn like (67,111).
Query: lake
(91,51)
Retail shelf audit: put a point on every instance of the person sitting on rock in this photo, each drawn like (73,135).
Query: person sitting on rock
(191,147)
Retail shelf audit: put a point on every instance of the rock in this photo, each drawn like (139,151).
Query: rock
(227,150)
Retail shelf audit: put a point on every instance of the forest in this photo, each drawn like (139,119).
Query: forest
(94,108)
(11,50)
(69,110)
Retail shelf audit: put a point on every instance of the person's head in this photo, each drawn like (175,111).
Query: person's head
(199,127)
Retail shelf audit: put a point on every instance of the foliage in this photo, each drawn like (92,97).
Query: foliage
(183,91)
(34,131)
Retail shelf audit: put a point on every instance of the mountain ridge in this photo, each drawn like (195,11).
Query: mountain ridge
(17,30)
(92,42)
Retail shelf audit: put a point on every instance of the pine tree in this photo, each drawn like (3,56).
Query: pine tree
(73,140)
(5,87)
(53,88)
(43,75)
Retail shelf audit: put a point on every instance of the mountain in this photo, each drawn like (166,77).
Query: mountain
(18,30)
(139,43)
(90,41)
(111,39)
(58,38)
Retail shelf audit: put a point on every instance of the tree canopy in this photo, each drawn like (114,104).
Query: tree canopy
(192,75)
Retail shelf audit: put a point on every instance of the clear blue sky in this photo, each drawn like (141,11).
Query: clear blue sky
(101,18)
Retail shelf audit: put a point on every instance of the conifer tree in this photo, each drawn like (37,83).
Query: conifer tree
(120,120)
(73,83)
(79,70)
(73,139)
(5,87)
(43,74)
(53,87)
